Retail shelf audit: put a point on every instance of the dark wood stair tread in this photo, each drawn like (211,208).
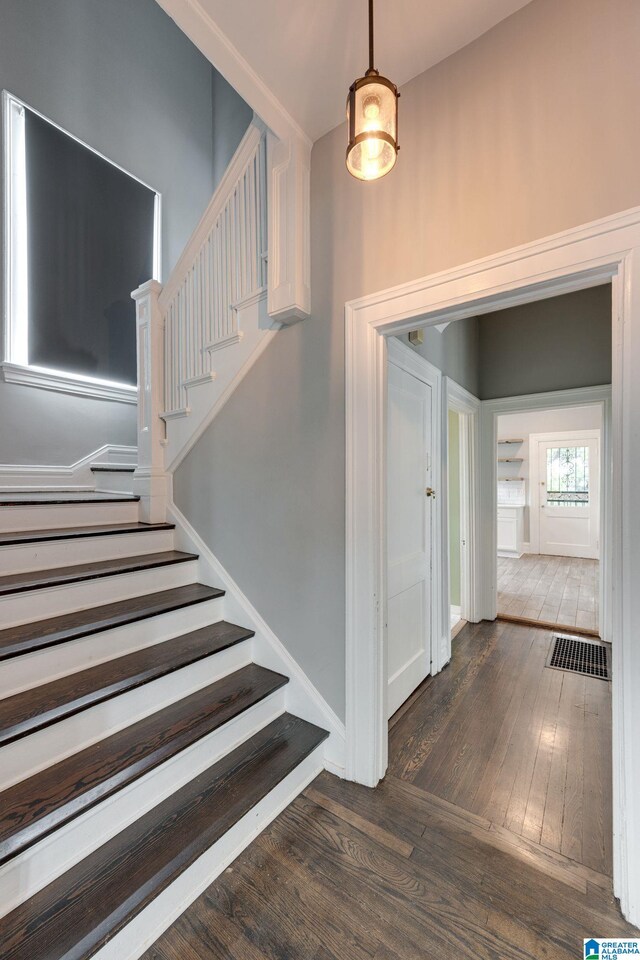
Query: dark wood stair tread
(76,573)
(71,626)
(48,703)
(71,533)
(39,497)
(75,915)
(113,468)
(41,804)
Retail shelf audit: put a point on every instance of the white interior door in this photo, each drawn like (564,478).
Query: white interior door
(569,496)
(409,533)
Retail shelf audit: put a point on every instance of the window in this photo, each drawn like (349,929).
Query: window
(568,476)
(81,234)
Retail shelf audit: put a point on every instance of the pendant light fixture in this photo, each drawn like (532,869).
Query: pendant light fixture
(372,120)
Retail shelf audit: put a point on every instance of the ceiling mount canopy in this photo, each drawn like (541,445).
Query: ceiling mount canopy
(372,121)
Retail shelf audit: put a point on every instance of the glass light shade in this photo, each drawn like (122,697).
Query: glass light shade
(372,119)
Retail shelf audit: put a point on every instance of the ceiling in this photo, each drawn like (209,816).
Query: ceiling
(309,51)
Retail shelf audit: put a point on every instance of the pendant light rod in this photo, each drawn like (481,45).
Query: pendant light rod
(372,120)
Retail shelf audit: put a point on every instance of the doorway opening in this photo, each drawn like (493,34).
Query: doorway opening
(515,750)
(550,514)
(580,259)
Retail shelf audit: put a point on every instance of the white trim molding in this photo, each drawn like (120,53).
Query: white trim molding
(62,382)
(76,476)
(207,36)
(606,251)
(468,408)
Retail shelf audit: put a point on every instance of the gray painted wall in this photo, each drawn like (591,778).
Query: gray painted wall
(57,429)
(521,134)
(122,77)
(555,344)
(231,117)
(454,351)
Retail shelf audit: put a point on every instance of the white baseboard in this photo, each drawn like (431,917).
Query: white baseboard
(76,476)
(303,699)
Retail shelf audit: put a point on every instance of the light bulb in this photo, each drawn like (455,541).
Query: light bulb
(371,108)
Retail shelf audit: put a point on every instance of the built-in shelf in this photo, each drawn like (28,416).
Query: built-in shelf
(517,492)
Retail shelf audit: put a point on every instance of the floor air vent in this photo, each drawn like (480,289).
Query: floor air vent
(578,656)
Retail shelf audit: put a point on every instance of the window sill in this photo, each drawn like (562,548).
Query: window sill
(68,383)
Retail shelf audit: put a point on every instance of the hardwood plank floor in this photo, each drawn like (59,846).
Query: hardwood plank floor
(550,589)
(512,743)
(499,768)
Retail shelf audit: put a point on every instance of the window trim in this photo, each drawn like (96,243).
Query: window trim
(15,367)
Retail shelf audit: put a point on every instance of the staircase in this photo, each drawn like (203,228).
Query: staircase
(141,748)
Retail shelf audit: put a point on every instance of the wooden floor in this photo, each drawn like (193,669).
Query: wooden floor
(561,590)
(489,837)
(508,739)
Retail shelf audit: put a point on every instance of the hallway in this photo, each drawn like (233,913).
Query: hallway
(489,837)
(556,590)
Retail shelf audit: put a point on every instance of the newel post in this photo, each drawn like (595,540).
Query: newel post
(150,479)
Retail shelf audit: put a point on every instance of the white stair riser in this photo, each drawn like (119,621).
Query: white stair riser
(32,870)
(43,666)
(34,605)
(114,481)
(45,516)
(41,749)
(145,929)
(52,554)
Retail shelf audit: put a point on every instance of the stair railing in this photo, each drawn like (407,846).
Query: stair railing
(182,324)
(223,267)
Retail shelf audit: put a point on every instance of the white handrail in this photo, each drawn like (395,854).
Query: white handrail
(222,267)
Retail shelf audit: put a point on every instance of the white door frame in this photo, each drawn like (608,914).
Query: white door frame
(560,437)
(410,361)
(468,408)
(554,400)
(606,250)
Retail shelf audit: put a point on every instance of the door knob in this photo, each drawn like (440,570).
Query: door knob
(430,492)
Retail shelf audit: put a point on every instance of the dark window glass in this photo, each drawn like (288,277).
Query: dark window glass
(90,243)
